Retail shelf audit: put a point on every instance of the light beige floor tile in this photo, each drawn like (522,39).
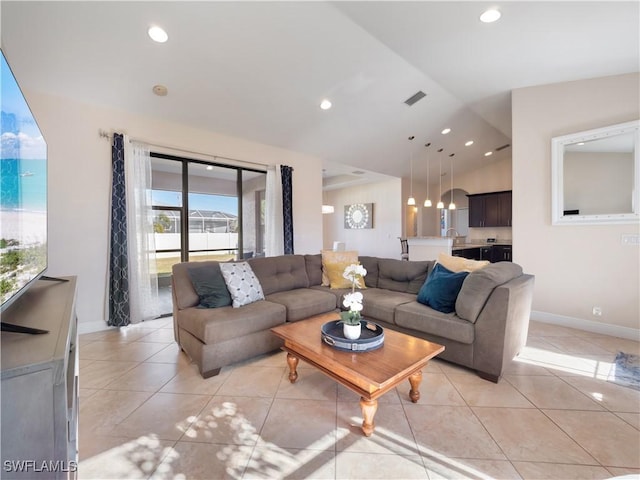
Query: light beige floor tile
(189,380)
(552,392)
(611,396)
(311,384)
(166,415)
(277,358)
(392,396)
(232,420)
(451,368)
(537,343)
(614,344)
(483,393)
(437,389)
(306,424)
(122,352)
(557,471)
(271,462)
(450,431)
(606,437)
(619,472)
(364,466)
(202,461)
(170,354)
(560,363)
(121,335)
(162,335)
(575,344)
(444,468)
(86,392)
(520,366)
(594,366)
(526,434)
(433,366)
(123,458)
(547,329)
(99,373)
(392,433)
(249,381)
(101,412)
(632,419)
(146,377)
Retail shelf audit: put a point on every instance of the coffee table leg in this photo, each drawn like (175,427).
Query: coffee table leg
(293,364)
(415,380)
(369,408)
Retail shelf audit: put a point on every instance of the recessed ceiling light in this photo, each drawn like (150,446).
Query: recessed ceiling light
(581,143)
(160,90)
(325,104)
(157,34)
(490,15)
(469,143)
(209,167)
(488,154)
(445,131)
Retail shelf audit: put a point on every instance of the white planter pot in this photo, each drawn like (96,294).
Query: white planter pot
(352,332)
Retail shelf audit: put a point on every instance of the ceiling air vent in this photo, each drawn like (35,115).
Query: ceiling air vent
(414,98)
(502,147)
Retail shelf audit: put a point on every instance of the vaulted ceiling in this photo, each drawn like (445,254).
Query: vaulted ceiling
(259,70)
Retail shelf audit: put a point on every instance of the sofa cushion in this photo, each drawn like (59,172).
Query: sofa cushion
(330,257)
(210,286)
(184,295)
(215,325)
(460,264)
(441,289)
(371,265)
(478,285)
(244,287)
(304,302)
(416,316)
(313,265)
(381,304)
(402,276)
(281,273)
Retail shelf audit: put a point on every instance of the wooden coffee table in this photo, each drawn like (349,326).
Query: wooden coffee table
(369,374)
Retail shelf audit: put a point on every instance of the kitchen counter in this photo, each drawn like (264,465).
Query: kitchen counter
(481,244)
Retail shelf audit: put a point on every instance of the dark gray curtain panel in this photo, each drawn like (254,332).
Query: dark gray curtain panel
(287,208)
(119,309)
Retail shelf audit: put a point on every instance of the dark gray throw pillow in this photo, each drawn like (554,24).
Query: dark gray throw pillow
(210,286)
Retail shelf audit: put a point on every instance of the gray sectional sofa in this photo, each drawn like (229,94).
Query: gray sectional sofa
(486,331)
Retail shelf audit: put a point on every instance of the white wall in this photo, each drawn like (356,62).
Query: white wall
(382,240)
(576,267)
(79,187)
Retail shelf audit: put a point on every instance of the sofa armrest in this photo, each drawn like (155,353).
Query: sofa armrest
(502,326)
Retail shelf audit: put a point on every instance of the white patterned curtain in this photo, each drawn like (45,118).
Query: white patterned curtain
(143,278)
(274,236)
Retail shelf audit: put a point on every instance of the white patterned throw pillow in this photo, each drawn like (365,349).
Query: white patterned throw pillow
(242,283)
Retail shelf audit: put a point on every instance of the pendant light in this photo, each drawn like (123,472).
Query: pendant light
(452,206)
(411,200)
(427,202)
(440,203)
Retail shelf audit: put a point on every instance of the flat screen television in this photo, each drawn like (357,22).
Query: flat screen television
(23,193)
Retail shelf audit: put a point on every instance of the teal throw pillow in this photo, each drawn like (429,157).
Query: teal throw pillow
(210,286)
(441,289)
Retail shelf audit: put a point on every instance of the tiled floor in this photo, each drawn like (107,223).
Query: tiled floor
(145,412)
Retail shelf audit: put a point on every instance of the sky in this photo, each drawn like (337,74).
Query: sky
(197,201)
(21,137)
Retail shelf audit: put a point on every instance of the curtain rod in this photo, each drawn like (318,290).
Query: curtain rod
(105,134)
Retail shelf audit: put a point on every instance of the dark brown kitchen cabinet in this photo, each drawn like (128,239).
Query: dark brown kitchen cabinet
(490,209)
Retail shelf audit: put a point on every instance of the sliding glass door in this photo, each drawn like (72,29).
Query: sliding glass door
(204,211)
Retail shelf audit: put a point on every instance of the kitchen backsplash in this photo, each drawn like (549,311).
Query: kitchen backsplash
(480,235)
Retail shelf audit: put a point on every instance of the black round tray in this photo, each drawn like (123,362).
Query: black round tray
(371,337)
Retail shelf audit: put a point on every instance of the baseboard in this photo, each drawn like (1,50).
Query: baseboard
(586,325)
(90,327)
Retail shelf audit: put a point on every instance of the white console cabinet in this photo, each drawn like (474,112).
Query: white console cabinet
(39,390)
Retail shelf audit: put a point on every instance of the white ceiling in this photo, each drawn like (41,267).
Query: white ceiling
(259,70)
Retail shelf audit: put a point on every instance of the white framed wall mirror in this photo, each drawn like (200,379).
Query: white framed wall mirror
(596,176)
